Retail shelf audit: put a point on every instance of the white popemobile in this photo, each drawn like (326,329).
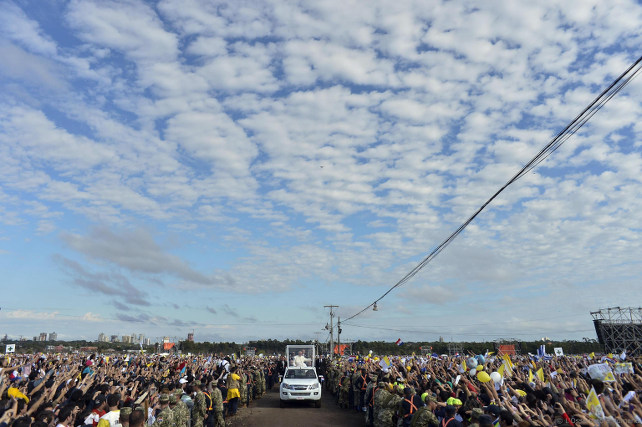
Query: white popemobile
(300,381)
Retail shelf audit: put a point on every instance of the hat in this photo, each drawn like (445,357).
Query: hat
(172,399)
(125,411)
(164,398)
(476,413)
(493,409)
(429,398)
(197,383)
(453,401)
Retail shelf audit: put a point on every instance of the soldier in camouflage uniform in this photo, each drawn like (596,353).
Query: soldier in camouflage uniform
(165,418)
(356,391)
(179,420)
(386,405)
(199,412)
(217,405)
(425,416)
(262,385)
(344,391)
(181,411)
(369,401)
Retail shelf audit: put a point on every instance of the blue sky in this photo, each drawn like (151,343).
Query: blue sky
(232,167)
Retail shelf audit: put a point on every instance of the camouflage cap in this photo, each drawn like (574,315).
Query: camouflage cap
(172,399)
(125,411)
(430,398)
(476,413)
(164,398)
(197,383)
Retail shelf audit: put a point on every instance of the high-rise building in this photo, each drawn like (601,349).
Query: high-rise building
(42,336)
(53,336)
(190,337)
(114,338)
(148,341)
(127,339)
(141,338)
(102,337)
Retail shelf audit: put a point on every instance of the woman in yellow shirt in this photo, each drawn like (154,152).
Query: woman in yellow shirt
(233,394)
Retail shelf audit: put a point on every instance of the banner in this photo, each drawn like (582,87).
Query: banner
(601,371)
(11,348)
(506,349)
(558,351)
(341,350)
(623,368)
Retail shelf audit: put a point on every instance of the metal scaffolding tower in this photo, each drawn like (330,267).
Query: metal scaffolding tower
(619,329)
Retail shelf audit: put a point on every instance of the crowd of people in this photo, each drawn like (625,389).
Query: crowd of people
(495,391)
(69,390)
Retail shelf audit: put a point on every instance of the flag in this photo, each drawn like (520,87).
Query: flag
(541,351)
(530,375)
(399,342)
(501,370)
(623,355)
(463,365)
(540,374)
(591,356)
(593,405)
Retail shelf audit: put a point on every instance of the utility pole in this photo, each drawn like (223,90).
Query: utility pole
(331,307)
(339,335)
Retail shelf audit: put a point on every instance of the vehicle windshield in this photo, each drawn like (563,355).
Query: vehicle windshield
(300,373)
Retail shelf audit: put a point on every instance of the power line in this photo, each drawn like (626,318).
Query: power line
(579,121)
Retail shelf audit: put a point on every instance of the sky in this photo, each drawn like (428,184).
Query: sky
(230,168)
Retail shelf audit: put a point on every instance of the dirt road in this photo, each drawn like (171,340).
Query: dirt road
(266,412)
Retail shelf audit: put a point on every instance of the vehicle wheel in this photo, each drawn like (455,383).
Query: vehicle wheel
(282,404)
(317,404)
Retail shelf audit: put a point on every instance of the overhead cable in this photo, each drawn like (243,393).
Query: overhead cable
(551,147)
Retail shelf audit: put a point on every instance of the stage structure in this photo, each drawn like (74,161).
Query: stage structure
(619,329)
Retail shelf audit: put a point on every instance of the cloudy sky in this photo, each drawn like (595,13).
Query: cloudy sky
(232,167)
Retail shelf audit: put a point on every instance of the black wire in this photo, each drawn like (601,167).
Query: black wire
(551,147)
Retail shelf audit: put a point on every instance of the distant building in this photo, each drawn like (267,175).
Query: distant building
(102,337)
(190,337)
(127,339)
(42,336)
(114,338)
(53,336)
(141,338)
(148,341)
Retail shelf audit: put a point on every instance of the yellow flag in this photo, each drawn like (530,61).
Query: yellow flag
(610,355)
(508,361)
(501,370)
(540,374)
(463,365)
(385,359)
(591,356)
(593,405)
(534,365)
(609,377)
(530,376)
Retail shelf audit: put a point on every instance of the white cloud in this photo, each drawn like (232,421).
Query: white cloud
(290,148)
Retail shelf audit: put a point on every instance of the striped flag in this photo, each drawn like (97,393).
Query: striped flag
(399,342)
